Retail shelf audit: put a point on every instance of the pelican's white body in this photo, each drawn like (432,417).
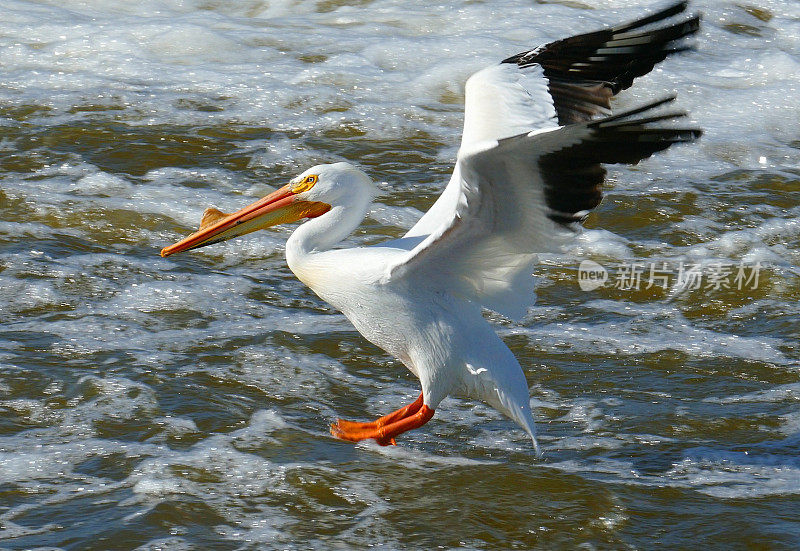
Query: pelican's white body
(420,297)
(442,338)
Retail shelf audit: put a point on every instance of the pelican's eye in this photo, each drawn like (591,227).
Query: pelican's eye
(305,184)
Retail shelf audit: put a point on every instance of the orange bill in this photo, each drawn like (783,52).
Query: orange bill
(279,207)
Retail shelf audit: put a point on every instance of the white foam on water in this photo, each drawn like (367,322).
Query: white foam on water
(12,530)
(217,462)
(760,244)
(780,393)
(650,328)
(419,459)
(586,414)
(26,295)
(583,443)
(270,369)
(400,217)
(100,183)
(34,230)
(601,242)
(720,474)
(739,475)
(161,544)
(176,426)
(620,470)
(235,59)
(790,423)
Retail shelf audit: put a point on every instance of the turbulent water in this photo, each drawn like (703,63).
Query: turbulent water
(183,403)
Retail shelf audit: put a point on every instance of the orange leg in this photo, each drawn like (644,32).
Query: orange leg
(387,427)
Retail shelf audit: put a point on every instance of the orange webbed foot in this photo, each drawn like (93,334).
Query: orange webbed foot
(346,425)
(383,434)
(384,429)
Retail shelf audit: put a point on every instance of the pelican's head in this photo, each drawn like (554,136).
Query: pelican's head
(309,195)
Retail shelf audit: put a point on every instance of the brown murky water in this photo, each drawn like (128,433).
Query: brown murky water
(183,403)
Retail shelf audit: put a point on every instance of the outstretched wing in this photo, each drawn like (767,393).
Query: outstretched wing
(522,178)
(563,82)
(504,214)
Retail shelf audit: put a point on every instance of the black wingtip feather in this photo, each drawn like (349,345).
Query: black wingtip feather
(635,111)
(573,176)
(609,60)
(647,120)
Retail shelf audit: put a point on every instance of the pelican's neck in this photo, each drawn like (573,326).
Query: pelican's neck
(318,235)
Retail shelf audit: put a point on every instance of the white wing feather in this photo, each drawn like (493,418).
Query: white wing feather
(500,101)
(477,235)
(505,100)
(486,249)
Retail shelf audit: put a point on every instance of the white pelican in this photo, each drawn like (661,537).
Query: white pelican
(537,127)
